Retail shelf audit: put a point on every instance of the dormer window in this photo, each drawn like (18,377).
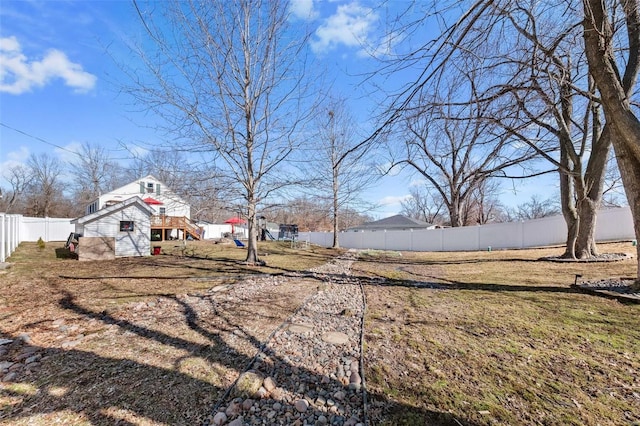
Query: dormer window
(150,187)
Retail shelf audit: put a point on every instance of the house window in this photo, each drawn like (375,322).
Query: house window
(163,211)
(150,187)
(126,226)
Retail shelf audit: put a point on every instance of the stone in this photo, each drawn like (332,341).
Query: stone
(300,328)
(355,378)
(248,385)
(262,393)
(4,365)
(322,420)
(269,384)
(353,421)
(237,422)
(219,419)
(339,395)
(247,404)
(233,409)
(277,394)
(277,406)
(335,337)
(9,377)
(5,341)
(32,359)
(301,405)
(354,366)
(25,338)
(354,386)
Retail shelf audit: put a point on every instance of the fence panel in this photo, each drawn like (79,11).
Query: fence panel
(47,228)
(9,234)
(613,224)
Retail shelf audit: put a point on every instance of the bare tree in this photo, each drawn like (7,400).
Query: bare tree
(45,189)
(450,141)
(550,84)
(426,205)
(342,172)
(614,63)
(484,206)
(534,53)
(19,178)
(94,173)
(537,208)
(228,79)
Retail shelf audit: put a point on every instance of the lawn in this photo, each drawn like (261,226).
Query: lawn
(474,338)
(500,339)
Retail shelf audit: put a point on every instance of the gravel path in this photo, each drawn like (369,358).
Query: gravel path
(309,371)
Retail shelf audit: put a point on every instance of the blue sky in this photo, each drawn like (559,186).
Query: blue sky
(59,82)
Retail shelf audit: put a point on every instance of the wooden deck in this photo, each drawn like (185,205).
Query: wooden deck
(166,224)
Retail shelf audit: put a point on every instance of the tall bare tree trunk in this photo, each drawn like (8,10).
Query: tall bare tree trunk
(616,89)
(336,187)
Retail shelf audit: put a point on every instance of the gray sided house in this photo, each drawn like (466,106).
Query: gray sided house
(393,223)
(122,229)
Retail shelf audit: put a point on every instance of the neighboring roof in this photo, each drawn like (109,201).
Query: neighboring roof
(393,222)
(114,208)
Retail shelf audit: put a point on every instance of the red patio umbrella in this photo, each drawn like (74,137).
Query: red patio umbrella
(234,221)
(152,201)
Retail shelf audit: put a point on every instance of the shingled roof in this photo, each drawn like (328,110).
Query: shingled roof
(395,223)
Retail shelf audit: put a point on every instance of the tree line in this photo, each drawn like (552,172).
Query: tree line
(504,90)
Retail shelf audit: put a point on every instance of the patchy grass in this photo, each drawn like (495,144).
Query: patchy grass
(142,341)
(476,338)
(500,339)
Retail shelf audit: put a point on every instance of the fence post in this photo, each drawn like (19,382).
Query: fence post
(2,237)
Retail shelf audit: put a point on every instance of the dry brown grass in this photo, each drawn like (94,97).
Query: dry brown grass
(503,339)
(138,340)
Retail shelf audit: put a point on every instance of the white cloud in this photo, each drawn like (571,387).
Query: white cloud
(13,159)
(393,200)
(303,9)
(350,26)
(19,74)
(65,151)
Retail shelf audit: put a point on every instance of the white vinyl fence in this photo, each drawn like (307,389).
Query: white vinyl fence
(9,234)
(15,228)
(612,225)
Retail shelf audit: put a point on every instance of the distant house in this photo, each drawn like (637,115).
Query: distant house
(171,217)
(121,229)
(393,223)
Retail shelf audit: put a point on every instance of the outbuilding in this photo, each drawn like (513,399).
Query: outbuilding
(121,229)
(393,223)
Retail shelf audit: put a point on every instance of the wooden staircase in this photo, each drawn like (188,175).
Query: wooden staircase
(181,223)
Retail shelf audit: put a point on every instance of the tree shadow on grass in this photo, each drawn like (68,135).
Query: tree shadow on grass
(439,283)
(82,386)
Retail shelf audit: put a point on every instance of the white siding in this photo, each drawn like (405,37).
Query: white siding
(174,205)
(135,243)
